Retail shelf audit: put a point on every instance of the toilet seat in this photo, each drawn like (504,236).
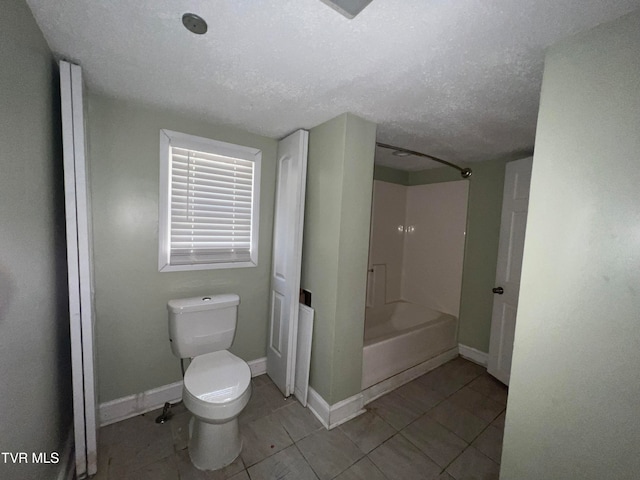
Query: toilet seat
(217,386)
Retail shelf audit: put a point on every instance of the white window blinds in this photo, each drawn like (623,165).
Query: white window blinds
(211,198)
(211,207)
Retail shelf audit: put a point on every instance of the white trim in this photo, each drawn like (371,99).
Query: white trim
(170,138)
(333,415)
(318,407)
(139,403)
(136,404)
(66,466)
(258,366)
(345,410)
(80,268)
(303,353)
(476,356)
(391,383)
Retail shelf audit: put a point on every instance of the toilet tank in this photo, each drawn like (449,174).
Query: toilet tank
(200,325)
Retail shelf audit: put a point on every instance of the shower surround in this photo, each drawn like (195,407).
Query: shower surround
(415,275)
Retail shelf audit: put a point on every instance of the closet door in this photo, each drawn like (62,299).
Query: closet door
(287,260)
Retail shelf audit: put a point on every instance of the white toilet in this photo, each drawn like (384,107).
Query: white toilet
(217,384)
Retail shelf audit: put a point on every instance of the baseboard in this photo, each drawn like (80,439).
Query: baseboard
(334,415)
(476,356)
(67,464)
(139,403)
(136,404)
(258,366)
(318,406)
(391,383)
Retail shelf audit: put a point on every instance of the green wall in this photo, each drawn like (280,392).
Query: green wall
(573,410)
(131,295)
(35,367)
(481,246)
(390,175)
(335,250)
(481,253)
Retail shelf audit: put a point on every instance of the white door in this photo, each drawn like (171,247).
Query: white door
(287,260)
(79,265)
(507,288)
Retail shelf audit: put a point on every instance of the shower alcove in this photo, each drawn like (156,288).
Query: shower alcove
(415,276)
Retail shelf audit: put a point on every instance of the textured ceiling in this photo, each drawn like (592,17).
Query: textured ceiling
(456,79)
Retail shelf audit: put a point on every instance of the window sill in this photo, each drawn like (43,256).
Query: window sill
(205,266)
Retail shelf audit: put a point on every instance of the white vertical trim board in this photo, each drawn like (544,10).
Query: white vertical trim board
(139,403)
(73,275)
(334,415)
(476,356)
(80,268)
(85,264)
(67,465)
(303,353)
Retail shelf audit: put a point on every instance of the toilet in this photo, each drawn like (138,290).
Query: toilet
(217,384)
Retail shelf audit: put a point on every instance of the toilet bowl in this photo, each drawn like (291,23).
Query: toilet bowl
(217,387)
(217,384)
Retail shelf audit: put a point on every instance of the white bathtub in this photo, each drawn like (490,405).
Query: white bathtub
(399,335)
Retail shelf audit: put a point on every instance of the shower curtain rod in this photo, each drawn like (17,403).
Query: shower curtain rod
(464,172)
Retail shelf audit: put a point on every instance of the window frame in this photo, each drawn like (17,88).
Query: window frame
(169,138)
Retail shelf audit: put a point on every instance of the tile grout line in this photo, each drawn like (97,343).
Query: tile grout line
(276,407)
(305,459)
(427,455)
(469,444)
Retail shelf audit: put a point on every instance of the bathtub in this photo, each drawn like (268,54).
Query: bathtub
(399,335)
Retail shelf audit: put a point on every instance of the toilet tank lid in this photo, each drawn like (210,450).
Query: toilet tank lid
(206,302)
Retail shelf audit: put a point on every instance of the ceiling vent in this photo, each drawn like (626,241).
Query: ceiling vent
(194,23)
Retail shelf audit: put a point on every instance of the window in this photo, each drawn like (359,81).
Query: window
(209,203)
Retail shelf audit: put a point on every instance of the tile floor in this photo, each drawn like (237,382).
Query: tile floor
(444,425)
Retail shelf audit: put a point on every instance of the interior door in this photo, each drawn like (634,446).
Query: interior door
(79,265)
(505,302)
(287,260)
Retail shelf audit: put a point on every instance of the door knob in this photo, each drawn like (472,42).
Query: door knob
(498,290)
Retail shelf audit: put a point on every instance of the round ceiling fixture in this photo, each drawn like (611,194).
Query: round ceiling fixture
(194,23)
(400,153)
